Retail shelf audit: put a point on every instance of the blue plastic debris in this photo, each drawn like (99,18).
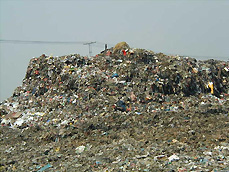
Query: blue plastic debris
(114,75)
(45,167)
(98,163)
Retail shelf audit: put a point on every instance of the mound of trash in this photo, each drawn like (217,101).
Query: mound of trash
(121,110)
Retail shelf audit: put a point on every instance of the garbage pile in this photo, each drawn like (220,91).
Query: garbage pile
(123,109)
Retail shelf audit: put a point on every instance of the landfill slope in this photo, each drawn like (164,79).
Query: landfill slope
(125,109)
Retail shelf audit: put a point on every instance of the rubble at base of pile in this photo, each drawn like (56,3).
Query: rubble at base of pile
(124,109)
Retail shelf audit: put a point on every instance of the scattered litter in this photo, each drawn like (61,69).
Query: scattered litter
(124,109)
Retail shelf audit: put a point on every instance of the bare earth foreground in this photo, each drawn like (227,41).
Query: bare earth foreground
(135,143)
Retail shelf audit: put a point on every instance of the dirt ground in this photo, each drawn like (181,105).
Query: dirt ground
(122,142)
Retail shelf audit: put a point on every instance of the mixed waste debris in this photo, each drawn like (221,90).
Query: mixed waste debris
(125,109)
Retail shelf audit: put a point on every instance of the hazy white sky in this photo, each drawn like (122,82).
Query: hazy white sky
(195,28)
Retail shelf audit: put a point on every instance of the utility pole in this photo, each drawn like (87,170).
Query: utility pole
(89,46)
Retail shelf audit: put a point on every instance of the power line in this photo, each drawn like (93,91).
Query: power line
(53,42)
(198,57)
(49,42)
(40,42)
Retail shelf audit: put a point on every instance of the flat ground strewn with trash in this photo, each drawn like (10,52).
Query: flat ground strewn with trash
(125,109)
